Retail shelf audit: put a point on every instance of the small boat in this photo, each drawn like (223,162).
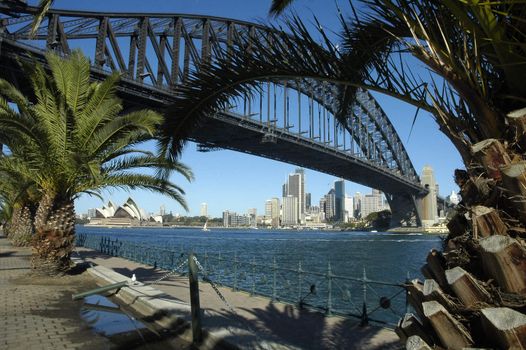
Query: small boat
(205,228)
(374,231)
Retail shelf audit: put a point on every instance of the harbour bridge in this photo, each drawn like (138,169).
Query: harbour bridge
(287,120)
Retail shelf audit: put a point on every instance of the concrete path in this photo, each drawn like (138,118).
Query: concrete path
(262,320)
(38,313)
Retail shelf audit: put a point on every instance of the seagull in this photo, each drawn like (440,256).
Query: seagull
(134,279)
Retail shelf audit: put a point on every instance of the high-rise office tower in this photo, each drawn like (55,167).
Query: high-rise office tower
(203,210)
(369,204)
(228,218)
(272,211)
(252,214)
(295,187)
(323,207)
(162,210)
(357,205)
(308,202)
(290,210)
(330,205)
(348,208)
(339,200)
(285,189)
(429,202)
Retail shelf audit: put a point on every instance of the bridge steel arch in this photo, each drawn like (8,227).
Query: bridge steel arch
(157,52)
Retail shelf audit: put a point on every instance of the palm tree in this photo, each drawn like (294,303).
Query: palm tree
(473,87)
(18,198)
(72,139)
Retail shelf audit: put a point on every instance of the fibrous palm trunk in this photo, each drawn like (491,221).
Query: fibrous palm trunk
(22,232)
(11,225)
(54,236)
(474,294)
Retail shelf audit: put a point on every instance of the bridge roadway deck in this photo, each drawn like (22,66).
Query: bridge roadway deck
(243,135)
(274,322)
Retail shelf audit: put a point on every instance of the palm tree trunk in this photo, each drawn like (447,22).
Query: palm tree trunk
(10,226)
(54,235)
(23,230)
(480,277)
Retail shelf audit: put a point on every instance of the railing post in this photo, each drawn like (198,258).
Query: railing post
(253,275)
(300,279)
(219,266)
(274,279)
(235,271)
(329,288)
(197,334)
(365,319)
(407,281)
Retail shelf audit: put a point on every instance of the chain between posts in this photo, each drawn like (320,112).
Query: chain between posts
(175,270)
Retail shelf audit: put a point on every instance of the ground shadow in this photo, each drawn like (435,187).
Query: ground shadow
(302,328)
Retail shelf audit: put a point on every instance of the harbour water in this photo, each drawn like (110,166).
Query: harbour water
(232,257)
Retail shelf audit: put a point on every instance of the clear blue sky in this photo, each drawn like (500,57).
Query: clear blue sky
(229,180)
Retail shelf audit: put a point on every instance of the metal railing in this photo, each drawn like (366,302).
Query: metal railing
(359,297)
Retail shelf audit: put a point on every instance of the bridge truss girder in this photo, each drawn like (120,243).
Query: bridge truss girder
(157,52)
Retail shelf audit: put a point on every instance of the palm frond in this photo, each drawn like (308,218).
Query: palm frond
(278,6)
(142,181)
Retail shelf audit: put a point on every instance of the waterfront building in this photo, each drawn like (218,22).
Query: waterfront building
(272,211)
(329,207)
(348,208)
(252,215)
(92,212)
(308,202)
(128,214)
(295,187)
(323,204)
(290,211)
(357,205)
(369,205)
(429,209)
(339,200)
(228,218)
(203,210)
(285,189)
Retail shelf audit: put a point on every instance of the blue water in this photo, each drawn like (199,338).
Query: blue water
(385,257)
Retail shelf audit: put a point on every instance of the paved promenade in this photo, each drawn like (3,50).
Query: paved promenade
(273,322)
(38,313)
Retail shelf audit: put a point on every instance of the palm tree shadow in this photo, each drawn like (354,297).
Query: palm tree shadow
(308,329)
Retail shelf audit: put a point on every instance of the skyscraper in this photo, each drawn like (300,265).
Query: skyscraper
(308,202)
(203,210)
(357,205)
(272,211)
(429,202)
(330,205)
(339,200)
(295,187)
(162,210)
(348,208)
(252,214)
(290,210)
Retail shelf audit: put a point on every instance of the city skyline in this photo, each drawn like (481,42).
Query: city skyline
(336,205)
(227,179)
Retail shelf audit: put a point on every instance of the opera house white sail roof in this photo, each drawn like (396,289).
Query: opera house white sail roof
(129,209)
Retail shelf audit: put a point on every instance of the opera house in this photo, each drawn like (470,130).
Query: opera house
(128,214)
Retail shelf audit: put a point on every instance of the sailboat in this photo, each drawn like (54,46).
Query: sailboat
(205,228)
